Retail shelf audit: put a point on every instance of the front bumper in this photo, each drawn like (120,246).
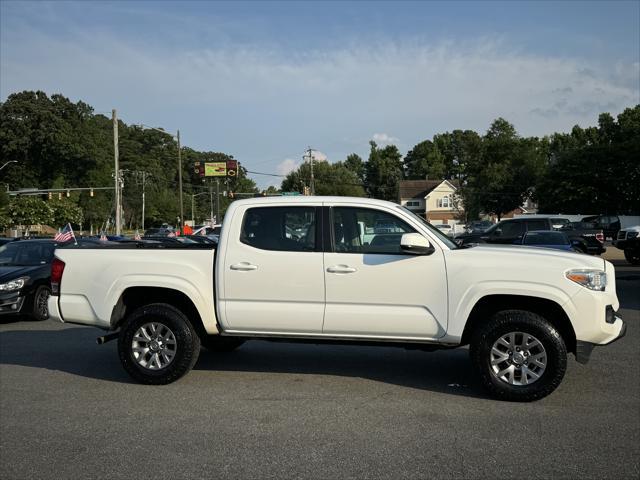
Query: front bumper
(584,349)
(11,303)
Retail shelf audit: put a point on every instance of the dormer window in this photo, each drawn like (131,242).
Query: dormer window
(444,202)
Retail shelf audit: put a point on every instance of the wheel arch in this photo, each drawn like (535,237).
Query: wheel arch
(135,297)
(550,310)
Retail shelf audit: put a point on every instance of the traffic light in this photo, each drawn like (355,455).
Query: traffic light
(59,196)
(91,192)
(50,195)
(68,193)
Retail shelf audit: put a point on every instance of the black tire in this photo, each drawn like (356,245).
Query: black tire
(502,323)
(216,343)
(187,344)
(39,308)
(632,256)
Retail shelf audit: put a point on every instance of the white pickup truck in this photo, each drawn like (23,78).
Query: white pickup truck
(342,270)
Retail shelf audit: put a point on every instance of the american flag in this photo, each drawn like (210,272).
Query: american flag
(65,235)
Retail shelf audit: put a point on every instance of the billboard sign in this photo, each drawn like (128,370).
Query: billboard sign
(216,169)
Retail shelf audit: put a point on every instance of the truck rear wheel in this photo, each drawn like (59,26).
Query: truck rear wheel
(518,355)
(158,344)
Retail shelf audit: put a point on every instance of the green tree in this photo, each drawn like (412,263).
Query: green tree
(383,171)
(30,211)
(329,179)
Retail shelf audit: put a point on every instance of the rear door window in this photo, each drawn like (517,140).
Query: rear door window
(290,229)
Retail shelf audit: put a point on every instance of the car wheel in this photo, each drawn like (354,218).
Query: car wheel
(216,343)
(518,355)
(632,256)
(40,310)
(158,344)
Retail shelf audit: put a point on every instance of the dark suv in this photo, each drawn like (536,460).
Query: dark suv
(512,230)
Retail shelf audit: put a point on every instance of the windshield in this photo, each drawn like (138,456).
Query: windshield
(26,254)
(441,236)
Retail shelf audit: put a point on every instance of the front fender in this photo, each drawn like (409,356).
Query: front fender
(461,308)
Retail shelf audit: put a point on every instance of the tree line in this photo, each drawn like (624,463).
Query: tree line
(59,144)
(593,169)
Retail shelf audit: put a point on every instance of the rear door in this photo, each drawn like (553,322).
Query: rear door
(373,288)
(273,270)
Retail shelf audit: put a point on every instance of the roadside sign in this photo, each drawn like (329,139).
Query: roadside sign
(216,169)
(290,193)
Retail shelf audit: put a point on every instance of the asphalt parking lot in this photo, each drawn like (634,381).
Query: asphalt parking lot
(268,410)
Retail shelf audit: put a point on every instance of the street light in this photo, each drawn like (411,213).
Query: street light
(177,137)
(7,163)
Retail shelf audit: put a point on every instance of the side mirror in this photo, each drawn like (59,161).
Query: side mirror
(416,244)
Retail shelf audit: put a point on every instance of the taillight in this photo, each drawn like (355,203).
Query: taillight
(600,237)
(57,269)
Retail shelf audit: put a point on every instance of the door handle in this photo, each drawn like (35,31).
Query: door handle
(243,266)
(341,269)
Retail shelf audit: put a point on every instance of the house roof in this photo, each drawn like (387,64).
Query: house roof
(421,188)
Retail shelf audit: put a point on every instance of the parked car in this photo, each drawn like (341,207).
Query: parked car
(549,239)
(628,240)
(590,237)
(478,226)
(25,271)
(609,224)
(339,283)
(513,230)
(445,228)
(4,240)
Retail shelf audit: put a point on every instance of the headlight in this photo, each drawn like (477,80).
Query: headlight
(16,284)
(592,279)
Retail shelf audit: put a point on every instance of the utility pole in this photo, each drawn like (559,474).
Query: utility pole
(309,153)
(217,200)
(180,183)
(116,171)
(211,203)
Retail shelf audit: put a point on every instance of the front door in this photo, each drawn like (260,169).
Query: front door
(376,290)
(273,273)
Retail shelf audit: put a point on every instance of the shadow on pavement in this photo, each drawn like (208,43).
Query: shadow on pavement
(73,350)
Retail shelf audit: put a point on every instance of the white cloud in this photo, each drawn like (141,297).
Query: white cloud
(262,102)
(287,165)
(319,156)
(384,139)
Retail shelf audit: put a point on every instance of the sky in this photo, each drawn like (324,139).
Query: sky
(262,81)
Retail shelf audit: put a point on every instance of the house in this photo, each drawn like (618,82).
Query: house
(434,200)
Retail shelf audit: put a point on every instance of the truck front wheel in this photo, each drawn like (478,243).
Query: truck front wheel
(157,344)
(518,355)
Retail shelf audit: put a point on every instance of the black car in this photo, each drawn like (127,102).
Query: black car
(25,272)
(513,230)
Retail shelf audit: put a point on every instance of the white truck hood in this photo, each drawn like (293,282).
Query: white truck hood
(508,253)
